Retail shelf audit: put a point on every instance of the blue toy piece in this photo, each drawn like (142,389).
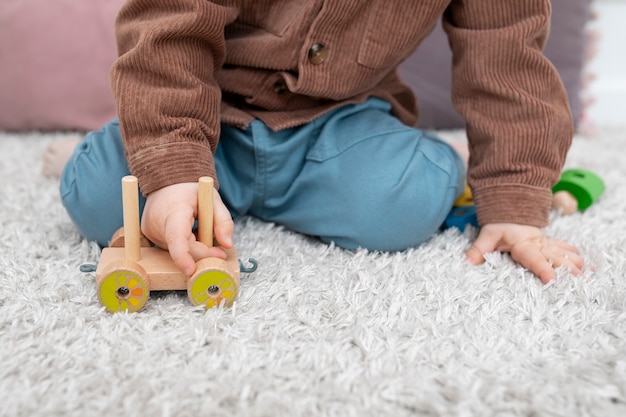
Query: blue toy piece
(460,217)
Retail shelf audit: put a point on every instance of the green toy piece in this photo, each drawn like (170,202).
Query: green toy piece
(584,185)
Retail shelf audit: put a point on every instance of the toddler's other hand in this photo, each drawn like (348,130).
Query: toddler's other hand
(529,247)
(168,219)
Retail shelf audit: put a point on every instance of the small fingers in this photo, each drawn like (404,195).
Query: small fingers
(541,267)
(567,259)
(485,243)
(181,255)
(199,250)
(223,225)
(563,245)
(178,237)
(543,260)
(577,261)
(529,247)
(474,255)
(532,258)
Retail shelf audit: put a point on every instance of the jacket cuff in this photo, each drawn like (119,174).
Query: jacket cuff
(172,163)
(513,203)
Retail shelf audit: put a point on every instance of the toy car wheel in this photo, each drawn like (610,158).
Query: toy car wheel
(211,288)
(125,288)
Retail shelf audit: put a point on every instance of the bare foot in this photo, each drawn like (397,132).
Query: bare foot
(57,154)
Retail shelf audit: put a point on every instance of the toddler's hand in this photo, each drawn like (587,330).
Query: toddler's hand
(528,246)
(168,219)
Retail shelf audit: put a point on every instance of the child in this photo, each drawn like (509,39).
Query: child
(296,109)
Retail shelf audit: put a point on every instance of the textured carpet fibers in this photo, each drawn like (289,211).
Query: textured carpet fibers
(316,330)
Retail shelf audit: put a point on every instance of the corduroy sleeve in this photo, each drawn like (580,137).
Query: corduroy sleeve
(518,121)
(165,90)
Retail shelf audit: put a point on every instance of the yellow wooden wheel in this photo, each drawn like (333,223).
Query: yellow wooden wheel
(212,287)
(124,288)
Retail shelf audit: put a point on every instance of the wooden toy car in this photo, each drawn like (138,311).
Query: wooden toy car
(131,267)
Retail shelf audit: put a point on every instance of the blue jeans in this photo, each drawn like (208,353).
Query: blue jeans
(355,176)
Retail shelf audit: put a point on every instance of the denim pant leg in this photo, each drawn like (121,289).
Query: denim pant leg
(356,176)
(365,180)
(91,189)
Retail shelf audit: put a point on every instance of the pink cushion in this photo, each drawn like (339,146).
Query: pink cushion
(55,58)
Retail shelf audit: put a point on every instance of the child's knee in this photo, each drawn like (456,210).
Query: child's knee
(402,213)
(91,205)
(90,189)
(400,225)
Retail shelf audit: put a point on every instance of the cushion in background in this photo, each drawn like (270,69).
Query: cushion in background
(55,58)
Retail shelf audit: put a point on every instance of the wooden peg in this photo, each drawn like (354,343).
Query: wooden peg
(205,210)
(565,202)
(585,186)
(132,232)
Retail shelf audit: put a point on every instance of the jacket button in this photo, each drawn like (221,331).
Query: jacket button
(280,87)
(317,54)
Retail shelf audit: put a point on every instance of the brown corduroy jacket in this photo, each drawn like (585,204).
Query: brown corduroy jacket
(187,65)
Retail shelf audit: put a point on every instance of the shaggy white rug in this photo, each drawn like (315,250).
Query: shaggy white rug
(316,330)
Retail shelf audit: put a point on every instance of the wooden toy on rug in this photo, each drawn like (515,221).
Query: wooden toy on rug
(131,267)
(576,190)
